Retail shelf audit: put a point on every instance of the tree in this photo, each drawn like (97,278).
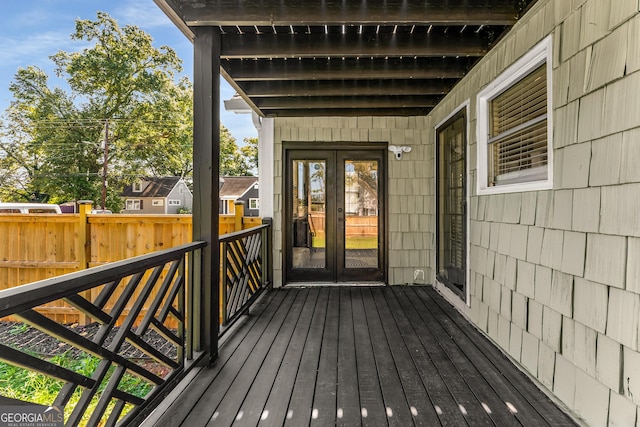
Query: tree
(232,160)
(123,102)
(250,151)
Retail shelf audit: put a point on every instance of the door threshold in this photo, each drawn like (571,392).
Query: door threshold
(326,284)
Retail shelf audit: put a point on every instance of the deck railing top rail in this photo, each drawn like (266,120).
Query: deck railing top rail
(20,298)
(140,331)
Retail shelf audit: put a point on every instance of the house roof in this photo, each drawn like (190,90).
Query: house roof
(347,58)
(235,186)
(158,187)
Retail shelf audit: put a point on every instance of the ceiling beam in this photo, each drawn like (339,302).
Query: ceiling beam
(349,68)
(296,12)
(303,102)
(349,112)
(380,87)
(348,45)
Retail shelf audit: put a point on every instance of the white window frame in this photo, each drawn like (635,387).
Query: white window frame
(136,187)
(157,202)
(538,55)
(130,205)
(255,202)
(174,202)
(226,206)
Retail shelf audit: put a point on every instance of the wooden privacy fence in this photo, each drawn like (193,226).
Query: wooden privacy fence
(356,225)
(35,247)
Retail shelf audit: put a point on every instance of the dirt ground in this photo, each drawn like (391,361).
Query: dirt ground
(23,337)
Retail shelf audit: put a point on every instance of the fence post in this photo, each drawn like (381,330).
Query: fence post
(239,206)
(84,237)
(84,249)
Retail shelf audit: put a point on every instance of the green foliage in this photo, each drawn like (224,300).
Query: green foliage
(25,385)
(19,328)
(250,152)
(232,160)
(123,103)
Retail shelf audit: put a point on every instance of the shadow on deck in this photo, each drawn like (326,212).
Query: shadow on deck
(358,356)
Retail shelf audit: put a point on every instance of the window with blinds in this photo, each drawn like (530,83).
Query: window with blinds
(517,149)
(514,126)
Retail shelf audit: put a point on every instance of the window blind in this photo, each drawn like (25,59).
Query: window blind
(518,131)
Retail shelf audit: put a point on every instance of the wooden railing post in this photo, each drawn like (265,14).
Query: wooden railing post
(239,207)
(267,242)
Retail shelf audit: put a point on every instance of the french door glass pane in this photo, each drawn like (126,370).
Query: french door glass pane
(361,213)
(309,208)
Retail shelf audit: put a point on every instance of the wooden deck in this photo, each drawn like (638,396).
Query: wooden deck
(371,356)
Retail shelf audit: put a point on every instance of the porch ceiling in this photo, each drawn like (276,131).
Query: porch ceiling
(347,58)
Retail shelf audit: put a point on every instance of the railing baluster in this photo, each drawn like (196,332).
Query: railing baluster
(168,284)
(126,287)
(181,307)
(243,269)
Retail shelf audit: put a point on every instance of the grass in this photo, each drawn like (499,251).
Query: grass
(353,242)
(22,384)
(362,242)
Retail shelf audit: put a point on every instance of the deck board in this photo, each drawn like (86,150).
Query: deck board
(370,356)
(300,404)
(465,401)
(176,411)
(480,374)
(395,401)
(483,403)
(348,396)
(285,379)
(324,398)
(441,399)
(251,409)
(247,369)
(421,407)
(208,403)
(499,367)
(371,402)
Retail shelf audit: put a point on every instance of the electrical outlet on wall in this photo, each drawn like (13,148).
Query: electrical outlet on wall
(418,276)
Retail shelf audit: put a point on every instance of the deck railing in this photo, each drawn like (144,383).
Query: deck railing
(245,270)
(153,349)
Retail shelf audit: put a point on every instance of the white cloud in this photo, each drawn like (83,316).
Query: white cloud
(34,49)
(144,13)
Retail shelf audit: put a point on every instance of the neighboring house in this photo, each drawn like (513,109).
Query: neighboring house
(239,189)
(519,199)
(165,195)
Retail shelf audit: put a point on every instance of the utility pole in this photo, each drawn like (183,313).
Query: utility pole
(104,164)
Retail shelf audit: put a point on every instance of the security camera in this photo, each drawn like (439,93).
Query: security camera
(398,150)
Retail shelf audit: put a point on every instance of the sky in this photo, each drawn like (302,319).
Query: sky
(32,30)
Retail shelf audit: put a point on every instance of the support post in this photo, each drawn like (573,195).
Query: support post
(206,159)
